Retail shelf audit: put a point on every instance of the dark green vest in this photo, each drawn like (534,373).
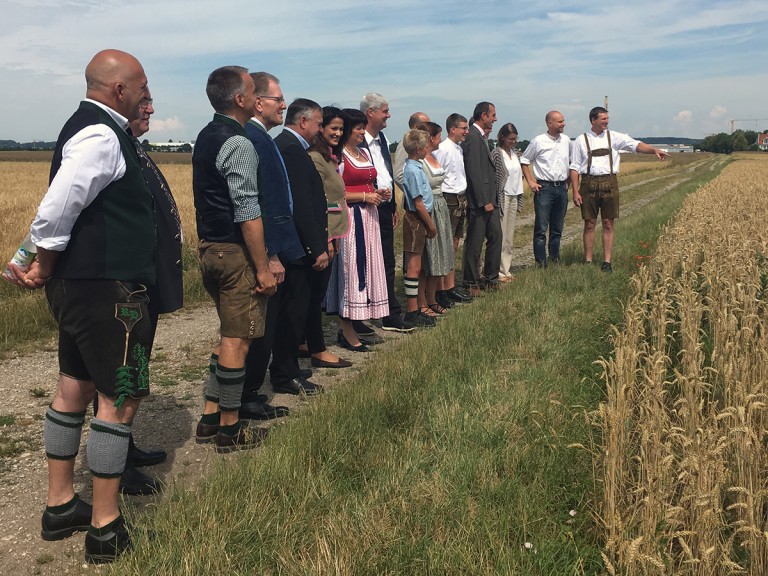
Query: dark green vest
(114,237)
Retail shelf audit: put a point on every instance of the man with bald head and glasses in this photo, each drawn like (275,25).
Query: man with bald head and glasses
(95,238)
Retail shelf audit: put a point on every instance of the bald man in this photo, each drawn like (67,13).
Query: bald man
(545,167)
(95,239)
(400,154)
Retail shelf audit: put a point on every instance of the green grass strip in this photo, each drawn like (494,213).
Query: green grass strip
(452,453)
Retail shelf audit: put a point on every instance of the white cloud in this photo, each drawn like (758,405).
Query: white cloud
(718,112)
(684,117)
(653,59)
(172,124)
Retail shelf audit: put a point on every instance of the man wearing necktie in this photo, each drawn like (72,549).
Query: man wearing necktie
(281,237)
(483,222)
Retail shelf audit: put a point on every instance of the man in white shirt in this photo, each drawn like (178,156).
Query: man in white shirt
(95,238)
(596,161)
(376,110)
(454,188)
(545,167)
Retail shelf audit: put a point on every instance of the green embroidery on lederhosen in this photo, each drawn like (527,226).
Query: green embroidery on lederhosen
(139,354)
(129,313)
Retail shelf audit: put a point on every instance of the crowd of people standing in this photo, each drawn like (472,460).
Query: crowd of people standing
(289,228)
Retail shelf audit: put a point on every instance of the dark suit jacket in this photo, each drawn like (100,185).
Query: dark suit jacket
(280,234)
(481,174)
(310,209)
(167,294)
(388,206)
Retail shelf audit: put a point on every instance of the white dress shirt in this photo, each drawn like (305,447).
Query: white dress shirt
(451,158)
(601,164)
(383,178)
(548,157)
(91,161)
(514,183)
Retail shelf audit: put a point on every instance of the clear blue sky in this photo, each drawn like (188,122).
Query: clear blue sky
(673,67)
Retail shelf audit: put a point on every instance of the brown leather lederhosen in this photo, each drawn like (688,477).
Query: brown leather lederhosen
(605,184)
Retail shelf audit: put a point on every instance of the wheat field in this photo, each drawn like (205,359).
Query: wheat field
(683,430)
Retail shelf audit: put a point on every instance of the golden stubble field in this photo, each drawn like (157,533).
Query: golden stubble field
(24,179)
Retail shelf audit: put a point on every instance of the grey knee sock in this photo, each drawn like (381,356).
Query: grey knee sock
(107,448)
(61,433)
(230,387)
(212,386)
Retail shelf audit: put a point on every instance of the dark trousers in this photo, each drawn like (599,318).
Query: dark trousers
(386,212)
(292,319)
(260,349)
(482,226)
(313,333)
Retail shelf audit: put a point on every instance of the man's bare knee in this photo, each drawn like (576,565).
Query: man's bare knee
(73,395)
(110,413)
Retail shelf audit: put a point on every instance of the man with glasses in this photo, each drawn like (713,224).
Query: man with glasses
(454,188)
(283,245)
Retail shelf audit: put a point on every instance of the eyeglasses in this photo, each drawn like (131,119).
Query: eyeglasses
(278,99)
(145,103)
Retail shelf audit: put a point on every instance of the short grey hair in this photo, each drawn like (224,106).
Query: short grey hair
(223,85)
(301,108)
(262,81)
(372,101)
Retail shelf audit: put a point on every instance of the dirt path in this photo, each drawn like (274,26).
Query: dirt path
(167,419)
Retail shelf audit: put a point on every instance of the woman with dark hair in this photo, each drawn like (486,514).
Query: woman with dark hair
(361,290)
(509,193)
(327,166)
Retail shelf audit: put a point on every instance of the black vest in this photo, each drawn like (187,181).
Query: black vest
(114,237)
(214,211)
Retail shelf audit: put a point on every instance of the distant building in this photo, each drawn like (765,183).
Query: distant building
(762,141)
(171,146)
(675,148)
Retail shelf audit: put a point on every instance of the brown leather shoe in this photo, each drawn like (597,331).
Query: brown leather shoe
(246,438)
(206,433)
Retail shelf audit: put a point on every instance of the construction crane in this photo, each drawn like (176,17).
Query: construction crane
(731,121)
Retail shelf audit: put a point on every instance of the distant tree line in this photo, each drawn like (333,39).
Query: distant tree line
(723,143)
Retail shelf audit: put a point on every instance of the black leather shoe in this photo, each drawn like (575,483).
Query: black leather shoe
(305,373)
(141,458)
(459,295)
(134,482)
(59,526)
(362,328)
(262,411)
(104,549)
(340,363)
(344,343)
(298,386)
(442,298)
